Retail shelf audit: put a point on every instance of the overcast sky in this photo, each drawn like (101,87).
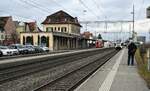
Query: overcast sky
(95,9)
(31,10)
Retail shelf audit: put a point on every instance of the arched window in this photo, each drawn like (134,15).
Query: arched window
(43,41)
(29,40)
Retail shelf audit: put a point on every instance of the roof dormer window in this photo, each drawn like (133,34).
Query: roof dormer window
(65,19)
(49,20)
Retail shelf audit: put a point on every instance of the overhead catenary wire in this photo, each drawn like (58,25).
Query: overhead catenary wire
(91,11)
(9,12)
(19,16)
(35,6)
(99,7)
(39,5)
(63,7)
(48,10)
(23,6)
(140,9)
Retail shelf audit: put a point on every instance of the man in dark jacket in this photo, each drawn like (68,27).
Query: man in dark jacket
(131,51)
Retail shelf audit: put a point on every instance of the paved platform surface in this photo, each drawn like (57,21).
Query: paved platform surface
(115,75)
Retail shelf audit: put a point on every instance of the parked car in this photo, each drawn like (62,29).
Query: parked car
(14,51)
(30,48)
(44,48)
(1,54)
(38,49)
(20,48)
(5,51)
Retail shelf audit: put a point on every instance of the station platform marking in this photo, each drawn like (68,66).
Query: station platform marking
(106,85)
(94,82)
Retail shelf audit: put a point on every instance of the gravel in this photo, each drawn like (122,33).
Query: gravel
(28,83)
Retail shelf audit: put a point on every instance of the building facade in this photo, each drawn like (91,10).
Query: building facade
(25,27)
(7,30)
(2,37)
(60,31)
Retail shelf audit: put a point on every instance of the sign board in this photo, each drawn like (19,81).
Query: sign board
(148,12)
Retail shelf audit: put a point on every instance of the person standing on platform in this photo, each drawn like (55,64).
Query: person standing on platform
(131,52)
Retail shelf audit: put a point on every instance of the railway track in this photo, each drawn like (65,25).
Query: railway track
(29,55)
(71,80)
(12,73)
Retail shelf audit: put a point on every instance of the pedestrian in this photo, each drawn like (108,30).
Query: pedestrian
(131,52)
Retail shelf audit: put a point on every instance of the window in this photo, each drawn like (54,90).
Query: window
(58,28)
(55,28)
(63,29)
(1,30)
(49,20)
(49,29)
(2,36)
(65,19)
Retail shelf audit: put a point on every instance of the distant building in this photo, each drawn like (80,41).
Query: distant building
(87,35)
(7,30)
(25,27)
(60,31)
(141,39)
(20,27)
(90,38)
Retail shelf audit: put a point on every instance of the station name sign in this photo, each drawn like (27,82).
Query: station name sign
(148,12)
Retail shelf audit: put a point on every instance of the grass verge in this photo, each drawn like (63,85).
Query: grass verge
(142,66)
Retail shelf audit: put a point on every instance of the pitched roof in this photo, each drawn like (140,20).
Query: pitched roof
(61,17)
(3,21)
(31,25)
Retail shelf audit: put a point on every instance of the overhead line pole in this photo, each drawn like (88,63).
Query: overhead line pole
(133,22)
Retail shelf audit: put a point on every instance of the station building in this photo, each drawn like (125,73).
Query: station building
(61,31)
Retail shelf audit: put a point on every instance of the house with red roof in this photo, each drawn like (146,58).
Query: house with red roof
(7,31)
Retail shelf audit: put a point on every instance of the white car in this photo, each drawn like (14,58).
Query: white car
(14,51)
(5,50)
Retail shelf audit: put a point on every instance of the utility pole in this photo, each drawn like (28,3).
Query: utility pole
(84,14)
(148,54)
(133,12)
(106,26)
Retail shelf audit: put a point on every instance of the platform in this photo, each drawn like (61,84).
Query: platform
(115,75)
